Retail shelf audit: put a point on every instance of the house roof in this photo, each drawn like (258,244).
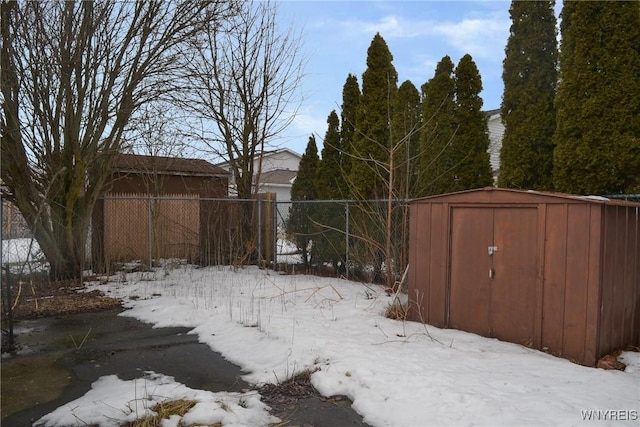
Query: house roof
(267,154)
(278,176)
(494,112)
(281,150)
(169,165)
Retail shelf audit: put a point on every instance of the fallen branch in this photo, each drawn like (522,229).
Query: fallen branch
(15,303)
(78,347)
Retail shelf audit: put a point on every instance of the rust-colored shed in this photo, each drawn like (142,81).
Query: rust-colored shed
(158,176)
(554,272)
(130,211)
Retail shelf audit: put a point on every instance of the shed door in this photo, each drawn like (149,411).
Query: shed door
(493,272)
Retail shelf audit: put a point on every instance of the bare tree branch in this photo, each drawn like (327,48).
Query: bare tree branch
(244,80)
(73,75)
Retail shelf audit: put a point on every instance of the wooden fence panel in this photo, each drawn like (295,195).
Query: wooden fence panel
(175,226)
(126,225)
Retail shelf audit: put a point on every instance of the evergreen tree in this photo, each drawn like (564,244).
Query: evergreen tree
(406,135)
(530,76)
(300,226)
(330,216)
(371,141)
(598,108)
(438,129)
(350,103)
(328,174)
(471,142)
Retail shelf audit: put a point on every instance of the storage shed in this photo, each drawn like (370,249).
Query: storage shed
(554,272)
(154,201)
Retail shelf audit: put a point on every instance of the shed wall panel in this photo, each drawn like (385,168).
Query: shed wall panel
(539,289)
(576,278)
(594,266)
(635,229)
(607,290)
(620,279)
(555,263)
(419,235)
(439,264)
(616,239)
(631,276)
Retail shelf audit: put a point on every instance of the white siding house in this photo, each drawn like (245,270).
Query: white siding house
(278,171)
(278,181)
(496,132)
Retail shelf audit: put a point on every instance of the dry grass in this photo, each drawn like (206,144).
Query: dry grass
(36,296)
(163,411)
(396,311)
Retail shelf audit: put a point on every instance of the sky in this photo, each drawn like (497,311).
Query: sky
(396,373)
(337,34)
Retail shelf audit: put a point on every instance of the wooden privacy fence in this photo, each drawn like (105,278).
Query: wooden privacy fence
(138,227)
(237,231)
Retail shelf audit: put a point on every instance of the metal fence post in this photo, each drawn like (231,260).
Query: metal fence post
(260,231)
(8,280)
(150,233)
(9,307)
(346,237)
(275,232)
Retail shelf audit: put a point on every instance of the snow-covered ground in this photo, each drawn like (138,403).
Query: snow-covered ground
(18,251)
(396,373)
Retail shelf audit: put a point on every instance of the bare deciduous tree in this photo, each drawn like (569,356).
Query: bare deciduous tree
(245,79)
(73,73)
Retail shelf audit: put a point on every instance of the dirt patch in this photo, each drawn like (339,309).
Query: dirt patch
(298,386)
(35,296)
(288,398)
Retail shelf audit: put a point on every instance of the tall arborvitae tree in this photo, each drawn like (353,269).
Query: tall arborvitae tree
(350,103)
(471,142)
(330,216)
(530,76)
(598,108)
(329,175)
(406,124)
(406,130)
(301,227)
(372,138)
(439,128)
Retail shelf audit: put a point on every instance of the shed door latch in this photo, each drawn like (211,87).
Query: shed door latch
(491,250)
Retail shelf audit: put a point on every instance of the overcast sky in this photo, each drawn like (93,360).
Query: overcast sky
(337,34)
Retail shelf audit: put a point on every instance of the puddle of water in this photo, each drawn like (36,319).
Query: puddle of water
(29,379)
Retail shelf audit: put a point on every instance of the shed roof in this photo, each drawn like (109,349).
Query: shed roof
(168,165)
(507,195)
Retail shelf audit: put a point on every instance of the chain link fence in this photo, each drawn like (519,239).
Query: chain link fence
(150,231)
(346,238)
(362,240)
(20,251)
